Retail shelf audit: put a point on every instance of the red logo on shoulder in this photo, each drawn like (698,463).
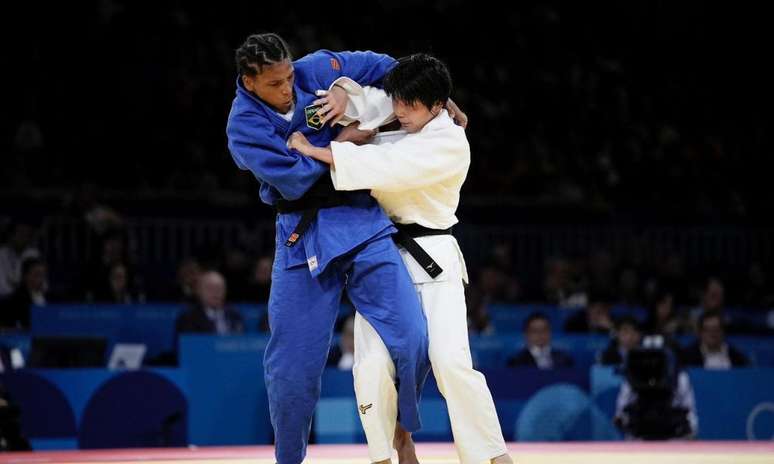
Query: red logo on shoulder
(335,64)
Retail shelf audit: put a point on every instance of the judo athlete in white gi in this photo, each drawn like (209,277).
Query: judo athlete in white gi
(327,241)
(417,180)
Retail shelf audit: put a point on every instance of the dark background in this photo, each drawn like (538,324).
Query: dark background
(627,115)
(635,109)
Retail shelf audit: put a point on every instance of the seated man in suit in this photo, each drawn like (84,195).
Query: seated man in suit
(538,352)
(712,351)
(209,314)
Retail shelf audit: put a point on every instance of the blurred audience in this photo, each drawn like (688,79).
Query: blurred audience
(342,355)
(119,288)
(711,300)
(259,281)
(210,314)
(17,247)
(538,351)
(562,286)
(711,350)
(664,320)
(595,318)
(188,272)
(15,310)
(97,274)
(627,337)
(478,297)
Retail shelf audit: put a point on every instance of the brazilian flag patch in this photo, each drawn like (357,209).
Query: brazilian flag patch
(313,119)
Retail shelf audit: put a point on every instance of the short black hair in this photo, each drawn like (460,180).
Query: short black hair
(536,316)
(419,77)
(260,50)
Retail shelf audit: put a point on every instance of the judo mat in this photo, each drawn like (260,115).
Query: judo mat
(714,452)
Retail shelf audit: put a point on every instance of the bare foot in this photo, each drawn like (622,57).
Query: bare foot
(502,459)
(404,445)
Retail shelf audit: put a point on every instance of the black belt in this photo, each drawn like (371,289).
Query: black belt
(405,238)
(309,208)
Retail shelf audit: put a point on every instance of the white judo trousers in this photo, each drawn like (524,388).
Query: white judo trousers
(476,429)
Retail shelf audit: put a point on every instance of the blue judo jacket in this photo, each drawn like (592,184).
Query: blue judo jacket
(257,138)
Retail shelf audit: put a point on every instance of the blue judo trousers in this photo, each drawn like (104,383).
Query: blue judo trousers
(345,248)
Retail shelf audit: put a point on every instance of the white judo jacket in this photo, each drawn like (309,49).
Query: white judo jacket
(415,177)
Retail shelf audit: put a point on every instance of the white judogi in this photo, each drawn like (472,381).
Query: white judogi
(417,179)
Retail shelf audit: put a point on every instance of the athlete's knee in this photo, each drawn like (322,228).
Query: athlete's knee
(447,363)
(374,365)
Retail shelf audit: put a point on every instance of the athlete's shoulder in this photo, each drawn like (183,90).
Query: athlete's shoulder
(319,61)
(317,70)
(322,63)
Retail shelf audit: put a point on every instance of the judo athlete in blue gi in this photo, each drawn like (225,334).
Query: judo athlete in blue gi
(326,241)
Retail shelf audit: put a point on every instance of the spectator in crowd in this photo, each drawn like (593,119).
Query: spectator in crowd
(18,247)
(119,287)
(478,296)
(561,285)
(210,314)
(664,320)
(113,251)
(539,352)
(627,337)
(499,280)
(342,355)
(15,311)
(188,272)
(714,295)
(260,280)
(595,318)
(711,300)
(711,350)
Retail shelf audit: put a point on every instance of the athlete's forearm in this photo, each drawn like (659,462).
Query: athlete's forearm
(323,154)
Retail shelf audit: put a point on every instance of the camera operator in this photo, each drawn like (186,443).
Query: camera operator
(656,399)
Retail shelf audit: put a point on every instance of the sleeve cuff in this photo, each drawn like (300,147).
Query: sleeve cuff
(340,170)
(350,86)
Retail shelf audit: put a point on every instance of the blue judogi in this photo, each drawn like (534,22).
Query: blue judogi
(346,246)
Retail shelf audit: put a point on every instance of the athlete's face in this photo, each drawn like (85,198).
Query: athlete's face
(273,85)
(413,116)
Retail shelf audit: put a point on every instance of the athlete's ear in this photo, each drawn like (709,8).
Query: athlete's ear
(248,82)
(436,108)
